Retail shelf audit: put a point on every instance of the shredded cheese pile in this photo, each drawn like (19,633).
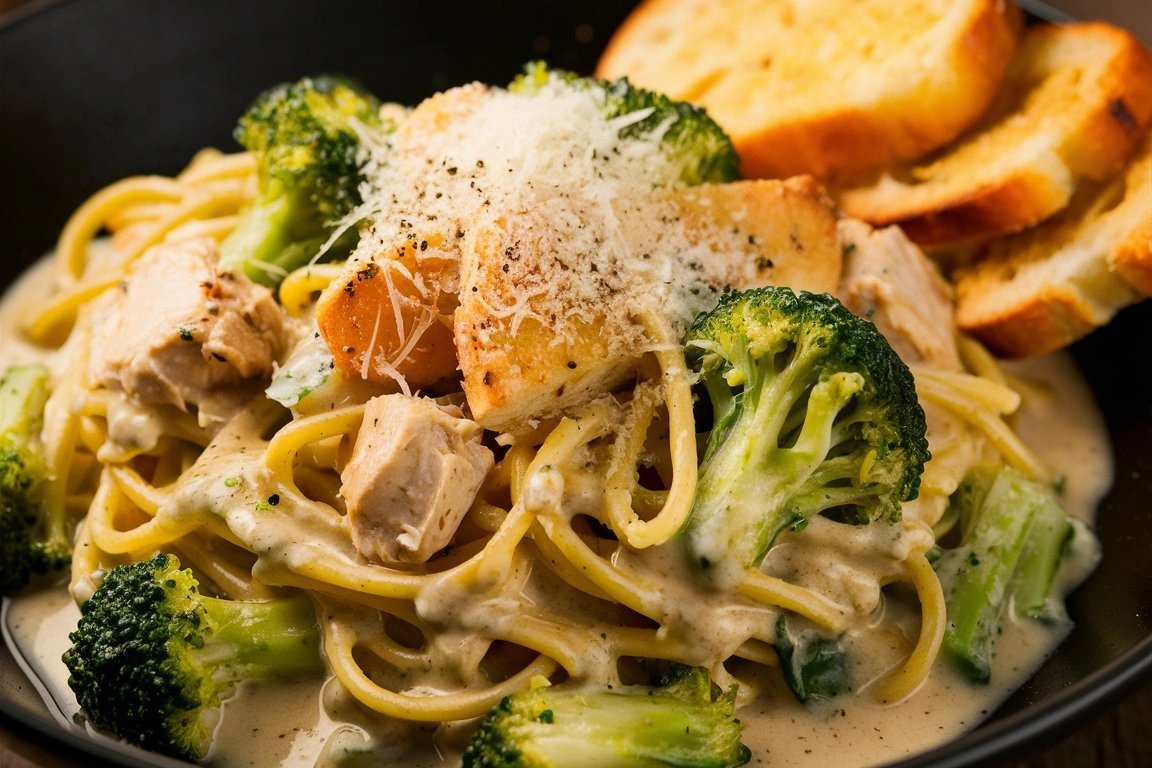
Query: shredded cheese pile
(578,217)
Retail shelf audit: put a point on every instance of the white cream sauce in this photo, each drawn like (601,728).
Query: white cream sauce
(1059,420)
(315,722)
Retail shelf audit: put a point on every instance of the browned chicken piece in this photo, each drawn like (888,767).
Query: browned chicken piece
(391,317)
(182,332)
(388,316)
(889,280)
(415,470)
(541,328)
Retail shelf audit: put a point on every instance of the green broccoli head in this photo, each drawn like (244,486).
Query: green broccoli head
(152,658)
(36,536)
(305,138)
(16,520)
(692,141)
(678,724)
(813,412)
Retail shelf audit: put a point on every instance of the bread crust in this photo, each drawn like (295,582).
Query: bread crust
(1133,257)
(1039,290)
(1051,319)
(849,140)
(1075,105)
(1132,253)
(1021,200)
(939,95)
(1112,130)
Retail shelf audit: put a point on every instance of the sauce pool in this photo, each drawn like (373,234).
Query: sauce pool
(314,723)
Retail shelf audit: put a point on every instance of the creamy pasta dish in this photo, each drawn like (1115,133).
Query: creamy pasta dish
(514,426)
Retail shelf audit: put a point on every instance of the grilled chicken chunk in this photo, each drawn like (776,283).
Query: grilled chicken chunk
(575,318)
(415,469)
(889,280)
(182,332)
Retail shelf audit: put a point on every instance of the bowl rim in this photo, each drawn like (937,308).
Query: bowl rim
(1071,707)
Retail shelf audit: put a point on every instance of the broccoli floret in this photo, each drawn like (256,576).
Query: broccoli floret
(308,161)
(309,368)
(152,658)
(36,536)
(681,723)
(1013,537)
(814,665)
(692,141)
(812,412)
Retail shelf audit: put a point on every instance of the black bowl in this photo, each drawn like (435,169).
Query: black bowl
(95,90)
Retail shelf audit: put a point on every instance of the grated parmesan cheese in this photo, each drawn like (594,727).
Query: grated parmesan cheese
(585,233)
(565,232)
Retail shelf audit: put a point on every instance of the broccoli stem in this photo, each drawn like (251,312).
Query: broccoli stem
(263,639)
(682,723)
(54,551)
(640,728)
(23,392)
(270,241)
(1036,572)
(1013,540)
(751,482)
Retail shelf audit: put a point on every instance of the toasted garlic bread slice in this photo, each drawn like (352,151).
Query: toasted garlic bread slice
(1075,104)
(1131,253)
(531,347)
(1038,290)
(825,87)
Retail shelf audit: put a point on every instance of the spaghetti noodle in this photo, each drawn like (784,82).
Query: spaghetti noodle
(566,564)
